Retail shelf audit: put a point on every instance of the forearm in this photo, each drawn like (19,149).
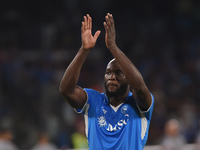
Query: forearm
(71,75)
(132,74)
(134,78)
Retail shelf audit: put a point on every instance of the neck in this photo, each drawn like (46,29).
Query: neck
(116,101)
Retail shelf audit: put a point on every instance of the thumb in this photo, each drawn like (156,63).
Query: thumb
(96,35)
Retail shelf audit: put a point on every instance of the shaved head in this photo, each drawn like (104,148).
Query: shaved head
(111,61)
(115,82)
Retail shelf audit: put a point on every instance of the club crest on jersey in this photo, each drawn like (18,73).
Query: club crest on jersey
(124,109)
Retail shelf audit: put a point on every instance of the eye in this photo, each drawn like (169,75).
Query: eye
(108,72)
(119,73)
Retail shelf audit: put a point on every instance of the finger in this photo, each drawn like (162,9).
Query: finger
(96,35)
(111,19)
(107,21)
(82,27)
(88,21)
(105,26)
(112,23)
(85,23)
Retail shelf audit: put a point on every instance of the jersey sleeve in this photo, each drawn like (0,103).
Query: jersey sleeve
(92,100)
(148,113)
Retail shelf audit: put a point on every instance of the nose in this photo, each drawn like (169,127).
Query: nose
(112,76)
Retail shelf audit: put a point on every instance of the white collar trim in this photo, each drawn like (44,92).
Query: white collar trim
(115,108)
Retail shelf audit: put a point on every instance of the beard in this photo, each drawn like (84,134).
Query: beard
(119,91)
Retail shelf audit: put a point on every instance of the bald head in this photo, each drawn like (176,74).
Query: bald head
(116,84)
(113,62)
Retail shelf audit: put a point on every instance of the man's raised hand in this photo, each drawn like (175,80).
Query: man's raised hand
(110,37)
(88,41)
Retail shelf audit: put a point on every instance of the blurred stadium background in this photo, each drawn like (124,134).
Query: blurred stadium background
(39,38)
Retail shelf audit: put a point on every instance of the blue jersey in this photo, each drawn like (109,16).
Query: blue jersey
(106,129)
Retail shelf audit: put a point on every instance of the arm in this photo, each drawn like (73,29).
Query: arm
(74,94)
(131,73)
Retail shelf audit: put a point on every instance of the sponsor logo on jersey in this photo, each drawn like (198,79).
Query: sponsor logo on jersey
(102,121)
(119,124)
(122,122)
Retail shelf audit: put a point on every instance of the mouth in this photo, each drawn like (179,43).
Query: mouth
(112,86)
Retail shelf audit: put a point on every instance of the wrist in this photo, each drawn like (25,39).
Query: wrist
(112,47)
(84,51)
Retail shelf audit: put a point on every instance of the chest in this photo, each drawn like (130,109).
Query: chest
(110,120)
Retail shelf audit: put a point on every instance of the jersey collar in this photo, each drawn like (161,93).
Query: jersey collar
(106,101)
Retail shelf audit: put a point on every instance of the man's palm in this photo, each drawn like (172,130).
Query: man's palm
(88,40)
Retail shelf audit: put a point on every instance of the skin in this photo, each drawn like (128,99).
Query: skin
(128,73)
(114,79)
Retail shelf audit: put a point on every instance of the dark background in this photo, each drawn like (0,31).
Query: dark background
(38,39)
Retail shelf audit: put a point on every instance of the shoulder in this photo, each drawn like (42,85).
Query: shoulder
(92,92)
(94,96)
